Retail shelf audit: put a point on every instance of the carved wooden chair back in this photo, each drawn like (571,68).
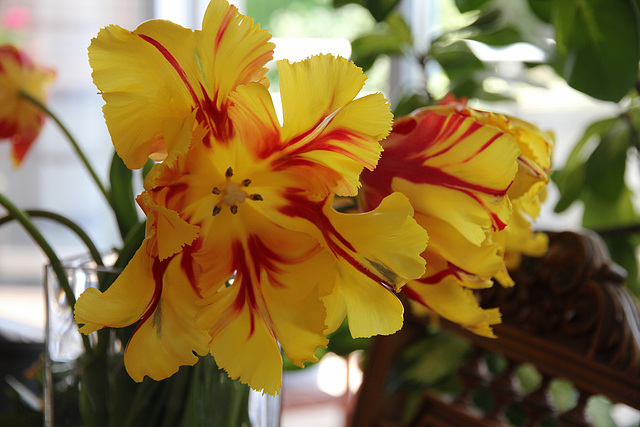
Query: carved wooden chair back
(568,316)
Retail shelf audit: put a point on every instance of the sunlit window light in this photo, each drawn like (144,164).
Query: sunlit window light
(332,375)
(297,49)
(338,375)
(355,372)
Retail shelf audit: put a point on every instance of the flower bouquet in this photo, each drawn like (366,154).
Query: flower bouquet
(242,256)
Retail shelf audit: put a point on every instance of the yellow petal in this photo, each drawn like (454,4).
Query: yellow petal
(168,338)
(245,347)
(484,260)
(474,216)
(451,167)
(534,143)
(140,86)
(162,71)
(232,50)
(297,311)
(528,189)
(325,126)
(167,232)
(124,302)
(534,163)
(377,252)
(452,301)
(520,239)
(386,240)
(254,115)
(315,88)
(275,299)
(372,309)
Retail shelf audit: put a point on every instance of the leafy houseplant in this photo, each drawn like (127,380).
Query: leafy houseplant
(242,256)
(592,45)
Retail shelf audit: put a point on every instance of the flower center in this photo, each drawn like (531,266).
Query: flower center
(232,193)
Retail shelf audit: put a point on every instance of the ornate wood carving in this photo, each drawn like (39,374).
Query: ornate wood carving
(574,297)
(569,316)
(572,317)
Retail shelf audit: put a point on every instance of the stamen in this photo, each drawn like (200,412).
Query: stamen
(232,194)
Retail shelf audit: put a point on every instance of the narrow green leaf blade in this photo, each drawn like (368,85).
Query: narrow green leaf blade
(605,168)
(122,198)
(570,180)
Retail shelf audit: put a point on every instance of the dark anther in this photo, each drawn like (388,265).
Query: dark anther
(216,210)
(246,182)
(229,173)
(215,190)
(234,209)
(255,197)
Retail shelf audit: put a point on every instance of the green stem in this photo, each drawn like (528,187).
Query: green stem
(73,142)
(56,265)
(35,213)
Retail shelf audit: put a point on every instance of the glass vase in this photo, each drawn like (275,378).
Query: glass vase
(86,384)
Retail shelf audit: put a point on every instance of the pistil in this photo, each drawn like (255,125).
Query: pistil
(232,194)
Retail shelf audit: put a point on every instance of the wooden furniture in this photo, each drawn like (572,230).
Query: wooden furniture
(569,316)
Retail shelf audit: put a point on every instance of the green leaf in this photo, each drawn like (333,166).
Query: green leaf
(379,9)
(471,87)
(410,102)
(605,168)
(132,242)
(391,37)
(469,5)
(342,343)
(433,358)
(529,377)
(597,46)
(500,37)
(570,180)
(214,399)
(622,249)
(542,9)
(147,168)
(598,410)
(121,195)
(603,214)
(489,20)
(456,59)
(564,394)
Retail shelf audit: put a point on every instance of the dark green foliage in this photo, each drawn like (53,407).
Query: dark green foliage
(391,37)
(379,9)
(597,46)
(469,5)
(121,195)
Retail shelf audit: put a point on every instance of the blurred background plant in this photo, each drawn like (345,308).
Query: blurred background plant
(417,52)
(486,52)
(593,46)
